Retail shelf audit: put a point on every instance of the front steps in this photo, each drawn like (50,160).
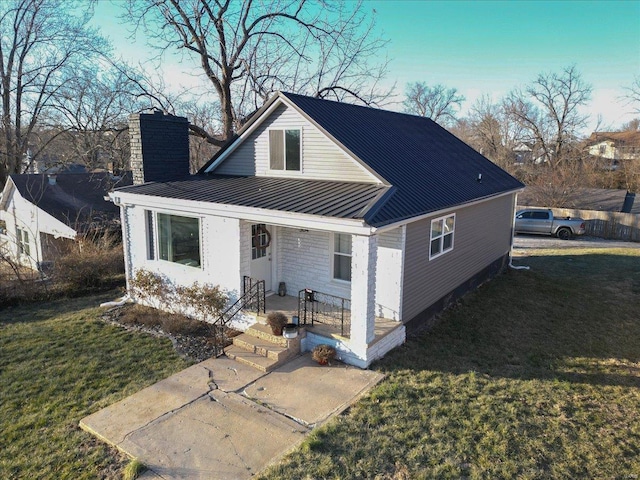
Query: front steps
(259,348)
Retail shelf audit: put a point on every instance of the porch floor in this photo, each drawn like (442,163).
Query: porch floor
(289,306)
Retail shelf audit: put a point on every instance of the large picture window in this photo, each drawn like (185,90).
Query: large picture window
(442,235)
(342,257)
(179,239)
(284,150)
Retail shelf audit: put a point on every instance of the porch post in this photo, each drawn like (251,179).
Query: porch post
(364,254)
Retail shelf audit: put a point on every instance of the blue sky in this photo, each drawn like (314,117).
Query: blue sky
(486,47)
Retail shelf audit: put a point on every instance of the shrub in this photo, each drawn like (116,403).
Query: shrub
(277,321)
(323,354)
(177,324)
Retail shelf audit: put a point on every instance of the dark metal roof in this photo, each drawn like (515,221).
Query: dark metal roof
(75,197)
(315,197)
(430,168)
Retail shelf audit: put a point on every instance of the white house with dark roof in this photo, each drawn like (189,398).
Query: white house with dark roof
(40,213)
(373,221)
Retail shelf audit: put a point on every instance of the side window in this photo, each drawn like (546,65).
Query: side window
(342,257)
(22,236)
(442,231)
(151,248)
(284,150)
(260,240)
(541,215)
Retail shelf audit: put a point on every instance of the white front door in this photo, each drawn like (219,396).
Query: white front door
(261,254)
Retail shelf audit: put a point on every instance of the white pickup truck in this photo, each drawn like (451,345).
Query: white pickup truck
(542,222)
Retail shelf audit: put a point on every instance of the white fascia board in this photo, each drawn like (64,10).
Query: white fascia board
(240,140)
(252,214)
(445,211)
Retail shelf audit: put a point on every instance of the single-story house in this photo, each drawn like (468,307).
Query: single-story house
(41,213)
(372,220)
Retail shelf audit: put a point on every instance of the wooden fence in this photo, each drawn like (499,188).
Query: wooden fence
(612,225)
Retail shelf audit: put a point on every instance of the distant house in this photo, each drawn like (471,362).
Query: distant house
(614,146)
(378,217)
(40,214)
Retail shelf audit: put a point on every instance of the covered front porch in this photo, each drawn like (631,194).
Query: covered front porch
(331,324)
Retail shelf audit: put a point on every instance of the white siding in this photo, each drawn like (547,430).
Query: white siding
(321,158)
(389,274)
(482,236)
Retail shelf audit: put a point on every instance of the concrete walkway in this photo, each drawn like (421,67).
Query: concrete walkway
(222,420)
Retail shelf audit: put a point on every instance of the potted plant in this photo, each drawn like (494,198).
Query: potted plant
(277,320)
(323,354)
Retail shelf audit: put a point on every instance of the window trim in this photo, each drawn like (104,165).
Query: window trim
(442,235)
(333,253)
(284,146)
(157,243)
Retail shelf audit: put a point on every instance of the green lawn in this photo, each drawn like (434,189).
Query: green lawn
(537,375)
(59,363)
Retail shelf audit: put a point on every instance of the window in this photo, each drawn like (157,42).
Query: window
(284,150)
(342,257)
(23,242)
(442,235)
(179,239)
(260,240)
(151,250)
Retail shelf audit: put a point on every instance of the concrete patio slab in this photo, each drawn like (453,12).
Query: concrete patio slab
(310,393)
(223,420)
(219,436)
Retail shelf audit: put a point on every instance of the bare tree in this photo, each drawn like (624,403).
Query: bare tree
(632,96)
(249,49)
(41,46)
(439,103)
(94,106)
(548,110)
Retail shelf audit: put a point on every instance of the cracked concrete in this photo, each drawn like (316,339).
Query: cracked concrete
(223,420)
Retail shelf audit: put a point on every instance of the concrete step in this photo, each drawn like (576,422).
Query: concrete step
(255,360)
(264,331)
(262,347)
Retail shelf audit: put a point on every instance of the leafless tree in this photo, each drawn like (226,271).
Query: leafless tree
(548,110)
(42,44)
(248,49)
(632,95)
(438,103)
(94,106)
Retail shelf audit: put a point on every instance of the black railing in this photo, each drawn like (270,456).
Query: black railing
(318,307)
(253,299)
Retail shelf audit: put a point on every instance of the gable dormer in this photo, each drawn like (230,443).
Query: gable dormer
(284,143)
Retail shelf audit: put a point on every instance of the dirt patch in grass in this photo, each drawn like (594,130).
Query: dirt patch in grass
(191,338)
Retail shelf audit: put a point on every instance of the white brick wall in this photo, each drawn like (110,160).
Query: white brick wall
(389,274)
(304,260)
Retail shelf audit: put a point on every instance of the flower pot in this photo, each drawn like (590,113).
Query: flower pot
(290,330)
(323,361)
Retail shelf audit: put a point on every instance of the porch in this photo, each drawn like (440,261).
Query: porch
(326,321)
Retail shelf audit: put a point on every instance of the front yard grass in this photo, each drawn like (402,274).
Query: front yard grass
(58,363)
(535,376)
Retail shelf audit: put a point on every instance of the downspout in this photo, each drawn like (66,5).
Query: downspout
(513,234)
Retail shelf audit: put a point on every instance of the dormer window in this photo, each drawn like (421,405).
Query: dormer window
(284,150)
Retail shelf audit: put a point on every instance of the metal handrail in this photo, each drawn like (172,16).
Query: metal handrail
(326,309)
(253,295)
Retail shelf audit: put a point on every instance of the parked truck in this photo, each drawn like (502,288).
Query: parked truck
(542,222)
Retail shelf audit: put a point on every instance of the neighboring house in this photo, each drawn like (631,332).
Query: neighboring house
(385,214)
(42,213)
(614,147)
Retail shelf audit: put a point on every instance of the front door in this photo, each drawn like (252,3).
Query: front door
(261,254)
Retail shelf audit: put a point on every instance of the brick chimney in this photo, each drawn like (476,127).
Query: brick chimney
(159,147)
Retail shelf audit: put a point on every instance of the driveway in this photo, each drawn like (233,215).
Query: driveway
(526,242)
